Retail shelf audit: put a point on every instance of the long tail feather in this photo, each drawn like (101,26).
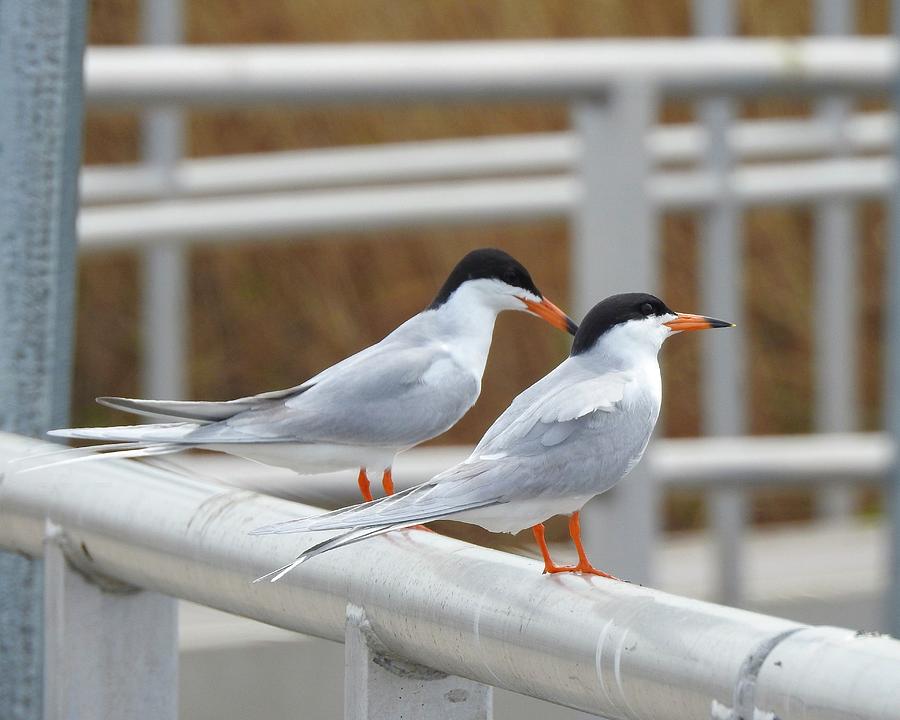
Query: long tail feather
(198,412)
(145,434)
(39,460)
(102,452)
(361,532)
(305,524)
(377,513)
(347,538)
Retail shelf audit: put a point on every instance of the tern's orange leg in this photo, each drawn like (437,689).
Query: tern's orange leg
(584,565)
(549,567)
(363,481)
(387,482)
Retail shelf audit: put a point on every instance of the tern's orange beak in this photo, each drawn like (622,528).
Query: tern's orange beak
(686,322)
(546,310)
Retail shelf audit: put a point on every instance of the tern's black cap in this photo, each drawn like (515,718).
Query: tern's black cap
(613,311)
(486,263)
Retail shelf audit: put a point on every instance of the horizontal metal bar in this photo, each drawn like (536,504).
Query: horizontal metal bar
(790,183)
(786,460)
(458,158)
(392,162)
(611,648)
(483,71)
(260,217)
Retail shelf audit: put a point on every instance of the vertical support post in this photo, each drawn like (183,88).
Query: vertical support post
(723,389)
(164,266)
(614,249)
(835,281)
(892,363)
(41,52)
(379,686)
(110,649)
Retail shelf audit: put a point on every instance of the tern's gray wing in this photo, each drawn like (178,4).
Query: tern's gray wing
(456,490)
(545,414)
(395,395)
(517,463)
(215,411)
(575,439)
(196,411)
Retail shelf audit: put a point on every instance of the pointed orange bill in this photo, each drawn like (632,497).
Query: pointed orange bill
(686,322)
(546,310)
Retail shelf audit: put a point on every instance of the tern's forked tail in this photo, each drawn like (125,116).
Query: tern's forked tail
(404,509)
(342,540)
(68,456)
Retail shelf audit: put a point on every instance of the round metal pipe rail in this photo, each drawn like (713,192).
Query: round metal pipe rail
(457,158)
(773,461)
(488,71)
(610,648)
(261,217)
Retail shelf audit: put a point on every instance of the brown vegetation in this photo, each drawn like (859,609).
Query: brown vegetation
(267,316)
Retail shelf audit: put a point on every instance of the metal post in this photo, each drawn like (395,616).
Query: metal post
(614,250)
(108,645)
(41,51)
(723,370)
(164,266)
(835,281)
(377,685)
(892,365)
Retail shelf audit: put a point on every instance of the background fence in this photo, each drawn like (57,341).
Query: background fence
(611,176)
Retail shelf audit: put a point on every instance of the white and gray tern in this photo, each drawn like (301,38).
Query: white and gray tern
(570,436)
(412,386)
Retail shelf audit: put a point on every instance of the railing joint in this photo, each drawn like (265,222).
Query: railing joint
(79,560)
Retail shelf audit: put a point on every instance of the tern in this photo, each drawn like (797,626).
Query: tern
(572,435)
(412,386)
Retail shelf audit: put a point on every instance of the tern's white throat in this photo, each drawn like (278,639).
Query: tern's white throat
(465,321)
(631,343)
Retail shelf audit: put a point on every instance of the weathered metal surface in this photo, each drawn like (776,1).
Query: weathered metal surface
(378,685)
(606,647)
(41,48)
(111,649)
(892,364)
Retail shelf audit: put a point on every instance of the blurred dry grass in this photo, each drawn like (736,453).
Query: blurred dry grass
(268,316)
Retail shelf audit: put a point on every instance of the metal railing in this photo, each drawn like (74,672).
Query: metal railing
(430,624)
(612,175)
(497,156)
(823,459)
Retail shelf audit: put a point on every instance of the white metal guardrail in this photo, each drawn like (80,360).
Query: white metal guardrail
(411,606)
(815,460)
(486,71)
(535,153)
(259,217)
(612,176)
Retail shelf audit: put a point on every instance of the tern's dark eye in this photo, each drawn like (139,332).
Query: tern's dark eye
(647,309)
(511,277)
